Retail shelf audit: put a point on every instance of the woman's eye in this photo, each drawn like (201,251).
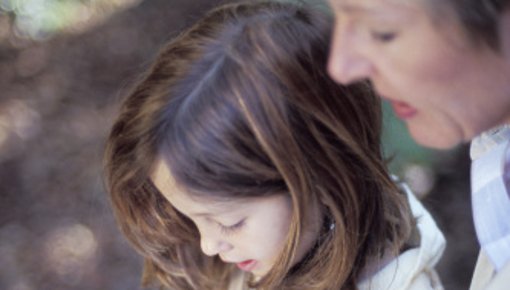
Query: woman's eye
(383,37)
(227,230)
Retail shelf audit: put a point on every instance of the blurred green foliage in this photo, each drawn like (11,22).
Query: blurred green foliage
(39,19)
(398,145)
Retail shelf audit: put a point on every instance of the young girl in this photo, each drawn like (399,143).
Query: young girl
(237,162)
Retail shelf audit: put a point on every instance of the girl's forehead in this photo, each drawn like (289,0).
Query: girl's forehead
(180,199)
(192,205)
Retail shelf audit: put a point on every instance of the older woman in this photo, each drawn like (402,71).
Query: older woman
(445,68)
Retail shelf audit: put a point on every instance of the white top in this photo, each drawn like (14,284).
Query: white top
(413,269)
(489,192)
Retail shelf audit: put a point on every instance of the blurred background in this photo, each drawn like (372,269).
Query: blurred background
(64,66)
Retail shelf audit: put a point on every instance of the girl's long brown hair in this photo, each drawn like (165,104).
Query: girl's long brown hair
(240,105)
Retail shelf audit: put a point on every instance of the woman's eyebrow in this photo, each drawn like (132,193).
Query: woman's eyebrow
(360,11)
(353,8)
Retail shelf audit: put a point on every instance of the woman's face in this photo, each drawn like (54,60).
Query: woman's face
(445,88)
(250,233)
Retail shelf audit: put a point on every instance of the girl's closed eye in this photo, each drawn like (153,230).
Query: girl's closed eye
(228,230)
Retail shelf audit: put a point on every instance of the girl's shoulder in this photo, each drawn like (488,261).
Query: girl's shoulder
(238,280)
(414,268)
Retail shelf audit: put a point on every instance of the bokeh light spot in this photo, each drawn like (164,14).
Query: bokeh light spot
(421,179)
(68,249)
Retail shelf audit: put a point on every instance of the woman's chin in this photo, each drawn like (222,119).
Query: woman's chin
(436,139)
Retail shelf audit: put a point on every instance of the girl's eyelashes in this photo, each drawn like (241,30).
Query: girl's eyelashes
(228,230)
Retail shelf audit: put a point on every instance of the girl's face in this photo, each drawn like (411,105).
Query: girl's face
(445,88)
(247,232)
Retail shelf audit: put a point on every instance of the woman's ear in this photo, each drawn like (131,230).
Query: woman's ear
(504,35)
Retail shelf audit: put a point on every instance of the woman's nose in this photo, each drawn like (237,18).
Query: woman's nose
(347,63)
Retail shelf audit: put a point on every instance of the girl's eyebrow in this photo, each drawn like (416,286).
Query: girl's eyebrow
(211,213)
(219,207)
(201,214)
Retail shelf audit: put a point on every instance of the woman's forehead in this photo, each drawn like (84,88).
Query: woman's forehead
(371,6)
(370,11)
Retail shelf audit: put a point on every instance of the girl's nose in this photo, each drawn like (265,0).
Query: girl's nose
(213,246)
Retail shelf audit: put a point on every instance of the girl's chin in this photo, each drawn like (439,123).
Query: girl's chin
(258,274)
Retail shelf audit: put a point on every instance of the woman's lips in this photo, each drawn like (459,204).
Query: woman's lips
(247,265)
(403,110)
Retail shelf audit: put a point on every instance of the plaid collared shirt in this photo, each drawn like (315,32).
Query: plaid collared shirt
(490,183)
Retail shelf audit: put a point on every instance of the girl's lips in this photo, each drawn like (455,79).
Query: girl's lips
(403,110)
(247,265)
